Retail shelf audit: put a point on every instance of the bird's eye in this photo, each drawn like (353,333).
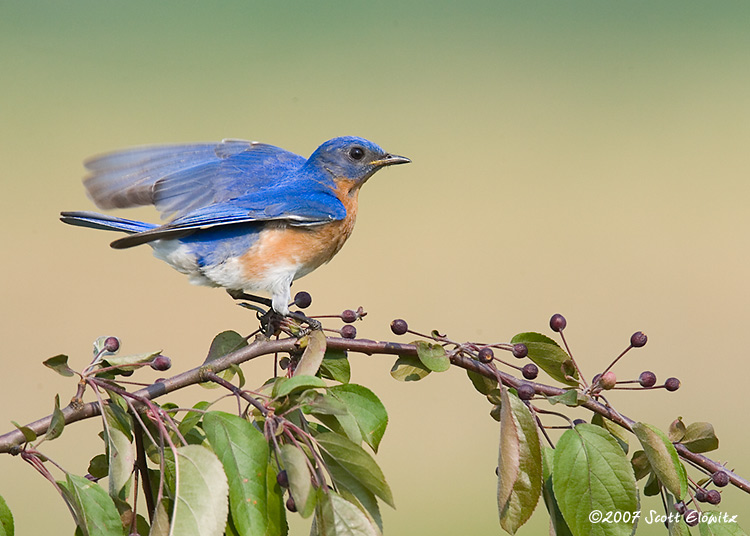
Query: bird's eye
(357,153)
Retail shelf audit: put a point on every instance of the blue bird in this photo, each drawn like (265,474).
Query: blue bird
(245,216)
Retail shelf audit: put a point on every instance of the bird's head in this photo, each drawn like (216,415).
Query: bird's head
(352,158)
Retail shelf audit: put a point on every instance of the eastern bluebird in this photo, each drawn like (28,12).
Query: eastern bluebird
(245,216)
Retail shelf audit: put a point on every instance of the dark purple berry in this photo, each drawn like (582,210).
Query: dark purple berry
(520,351)
(302,299)
(720,478)
(680,507)
(638,339)
(290,504)
(161,362)
(399,326)
(348,331)
(557,322)
(282,479)
(596,378)
(349,316)
(576,422)
(672,384)
(713,497)
(486,355)
(691,518)
(111,344)
(608,380)
(701,495)
(525,391)
(647,379)
(530,371)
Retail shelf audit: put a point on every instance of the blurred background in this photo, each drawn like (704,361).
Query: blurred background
(586,158)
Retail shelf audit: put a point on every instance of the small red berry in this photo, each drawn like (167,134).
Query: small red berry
(111,344)
(161,362)
(672,384)
(608,380)
(647,379)
(349,316)
(557,322)
(638,339)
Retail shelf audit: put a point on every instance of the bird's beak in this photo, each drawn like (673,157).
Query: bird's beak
(390,160)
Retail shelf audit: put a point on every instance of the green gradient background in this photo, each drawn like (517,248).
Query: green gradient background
(589,158)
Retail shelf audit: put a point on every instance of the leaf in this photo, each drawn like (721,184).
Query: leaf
(29,435)
(295,463)
(57,424)
(287,386)
(95,511)
(120,450)
(335,516)
(7,527)
(201,491)
(700,437)
(617,431)
(367,409)
(313,355)
(357,462)
(99,466)
(718,524)
(676,430)
(335,366)
(224,343)
(547,354)
(558,527)
(192,418)
(432,356)
(353,491)
(409,369)
(276,524)
(593,473)
(519,462)
(135,359)
(243,452)
(663,458)
(676,525)
(571,397)
(483,384)
(59,364)
(641,467)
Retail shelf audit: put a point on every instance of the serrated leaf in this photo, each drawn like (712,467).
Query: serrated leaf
(276,524)
(224,343)
(192,418)
(547,354)
(335,516)
(335,366)
(95,511)
(357,462)
(558,527)
(29,435)
(120,450)
(367,409)
(718,524)
(432,356)
(313,355)
(571,397)
(7,527)
(663,458)
(352,490)
(700,437)
(409,369)
(57,424)
(617,431)
(295,463)
(288,386)
(519,462)
(481,383)
(596,475)
(59,364)
(243,451)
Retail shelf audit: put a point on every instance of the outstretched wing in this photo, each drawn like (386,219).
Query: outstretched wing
(180,179)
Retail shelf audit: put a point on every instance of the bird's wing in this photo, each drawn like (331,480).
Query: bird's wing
(179,179)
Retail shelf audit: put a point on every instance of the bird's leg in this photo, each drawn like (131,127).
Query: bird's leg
(242,295)
(270,319)
(299,316)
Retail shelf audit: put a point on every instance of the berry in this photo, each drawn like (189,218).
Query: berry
(486,355)
(691,518)
(399,326)
(290,504)
(525,391)
(672,384)
(161,362)
(713,497)
(596,378)
(680,507)
(638,339)
(557,322)
(282,479)
(349,316)
(348,331)
(576,422)
(111,344)
(720,478)
(647,379)
(701,495)
(608,380)
(302,299)
(520,351)
(530,371)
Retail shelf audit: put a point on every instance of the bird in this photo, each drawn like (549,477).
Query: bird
(242,215)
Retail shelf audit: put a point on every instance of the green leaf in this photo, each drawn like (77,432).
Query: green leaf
(676,525)
(335,366)
(641,467)
(243,452)
(519,463)
(295,463)
(287,386)
(335,516)
(558,527)
(663,458)
(409,369)
(432,356)
(120,450)
(593,473)
(95,511)
(192,418)
(225,343)
(547,354)
(276,524)
(7,527)
(617,431)
(483,384)
(353,491)
(571,397)
(29,435)
(59,364)
(135,359)
(718,524)
(99,466)
(357,462)
(676,430)
(367,409)
(700,437)
(313,355)
(57,424)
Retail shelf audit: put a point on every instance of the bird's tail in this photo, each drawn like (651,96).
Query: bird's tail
(94,220)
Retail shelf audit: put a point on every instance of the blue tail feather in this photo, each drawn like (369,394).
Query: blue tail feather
(94,220)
